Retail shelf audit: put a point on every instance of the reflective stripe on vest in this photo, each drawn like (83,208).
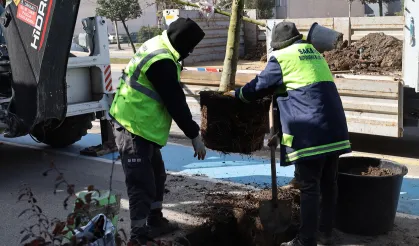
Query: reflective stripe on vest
(134,78)
(132,82)
(318,150)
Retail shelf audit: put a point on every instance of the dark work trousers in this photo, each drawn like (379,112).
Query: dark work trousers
(317,177)
(145,177)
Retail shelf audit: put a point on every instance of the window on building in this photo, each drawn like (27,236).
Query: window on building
(281,3)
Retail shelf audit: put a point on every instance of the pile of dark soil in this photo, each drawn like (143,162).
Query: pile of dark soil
(231,126)
(234,219)
(374,53)
(376,171)
(258,53)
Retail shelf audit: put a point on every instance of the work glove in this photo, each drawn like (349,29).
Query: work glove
(199,148)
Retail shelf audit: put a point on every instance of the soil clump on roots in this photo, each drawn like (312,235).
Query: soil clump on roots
(376,53)
(233,219)
(231,126)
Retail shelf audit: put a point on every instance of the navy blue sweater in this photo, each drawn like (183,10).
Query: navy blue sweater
(312,114)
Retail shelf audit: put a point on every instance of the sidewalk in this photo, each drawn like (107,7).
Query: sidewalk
(177,135)
(190,197)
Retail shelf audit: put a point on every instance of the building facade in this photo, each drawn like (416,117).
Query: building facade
(317,9)
(389,9)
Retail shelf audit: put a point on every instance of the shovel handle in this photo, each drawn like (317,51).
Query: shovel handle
(273,171)
(273,158)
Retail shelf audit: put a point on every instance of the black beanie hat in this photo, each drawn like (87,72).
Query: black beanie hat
(184,35)
(284,34)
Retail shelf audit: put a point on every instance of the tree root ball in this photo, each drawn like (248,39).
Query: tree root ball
(231,126)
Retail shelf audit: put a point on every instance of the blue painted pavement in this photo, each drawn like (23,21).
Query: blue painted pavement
(234,168)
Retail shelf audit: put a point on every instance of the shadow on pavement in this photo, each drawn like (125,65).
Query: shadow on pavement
(404,233)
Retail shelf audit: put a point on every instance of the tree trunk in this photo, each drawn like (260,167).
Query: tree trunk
(380,6)
(117,35)
(129,36)
(350,24)
(228,77)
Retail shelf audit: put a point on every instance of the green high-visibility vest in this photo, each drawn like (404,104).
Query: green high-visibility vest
(301,66)
(137,106)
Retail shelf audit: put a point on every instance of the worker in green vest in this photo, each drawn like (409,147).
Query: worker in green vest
(313,127)
(149,96)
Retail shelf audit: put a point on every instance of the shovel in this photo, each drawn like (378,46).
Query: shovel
(275,216)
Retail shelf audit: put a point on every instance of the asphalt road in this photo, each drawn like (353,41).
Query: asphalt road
(24,165)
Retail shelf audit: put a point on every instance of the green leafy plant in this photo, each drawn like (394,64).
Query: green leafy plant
(43,231)
(380,4)
(264,8)
(120,10)
(401,12)
(147,32)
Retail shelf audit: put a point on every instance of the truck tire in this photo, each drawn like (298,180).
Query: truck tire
(70,131)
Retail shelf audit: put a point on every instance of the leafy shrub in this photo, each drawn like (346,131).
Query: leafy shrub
(147,32)
(56,232)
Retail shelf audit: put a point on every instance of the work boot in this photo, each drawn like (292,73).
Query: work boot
(153,243)
(294,183)
(325,238)
(133,242)
(158,225)
(294,242)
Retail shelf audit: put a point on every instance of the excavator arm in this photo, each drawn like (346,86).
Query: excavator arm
(38,34)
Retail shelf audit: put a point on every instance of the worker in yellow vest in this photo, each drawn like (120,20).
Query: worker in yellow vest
(149,96)
(313,126)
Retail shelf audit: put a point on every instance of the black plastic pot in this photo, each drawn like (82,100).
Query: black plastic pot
(323,38)
(367,205)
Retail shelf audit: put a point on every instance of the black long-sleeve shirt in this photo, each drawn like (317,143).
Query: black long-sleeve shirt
(163,75)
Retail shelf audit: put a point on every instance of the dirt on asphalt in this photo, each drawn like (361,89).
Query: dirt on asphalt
(234,219)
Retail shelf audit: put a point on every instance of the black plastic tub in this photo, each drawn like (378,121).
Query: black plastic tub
(367,205)
(323,38)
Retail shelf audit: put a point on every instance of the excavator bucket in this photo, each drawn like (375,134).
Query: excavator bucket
(38,34)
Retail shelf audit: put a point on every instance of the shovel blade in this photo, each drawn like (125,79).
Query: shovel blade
(275,219)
